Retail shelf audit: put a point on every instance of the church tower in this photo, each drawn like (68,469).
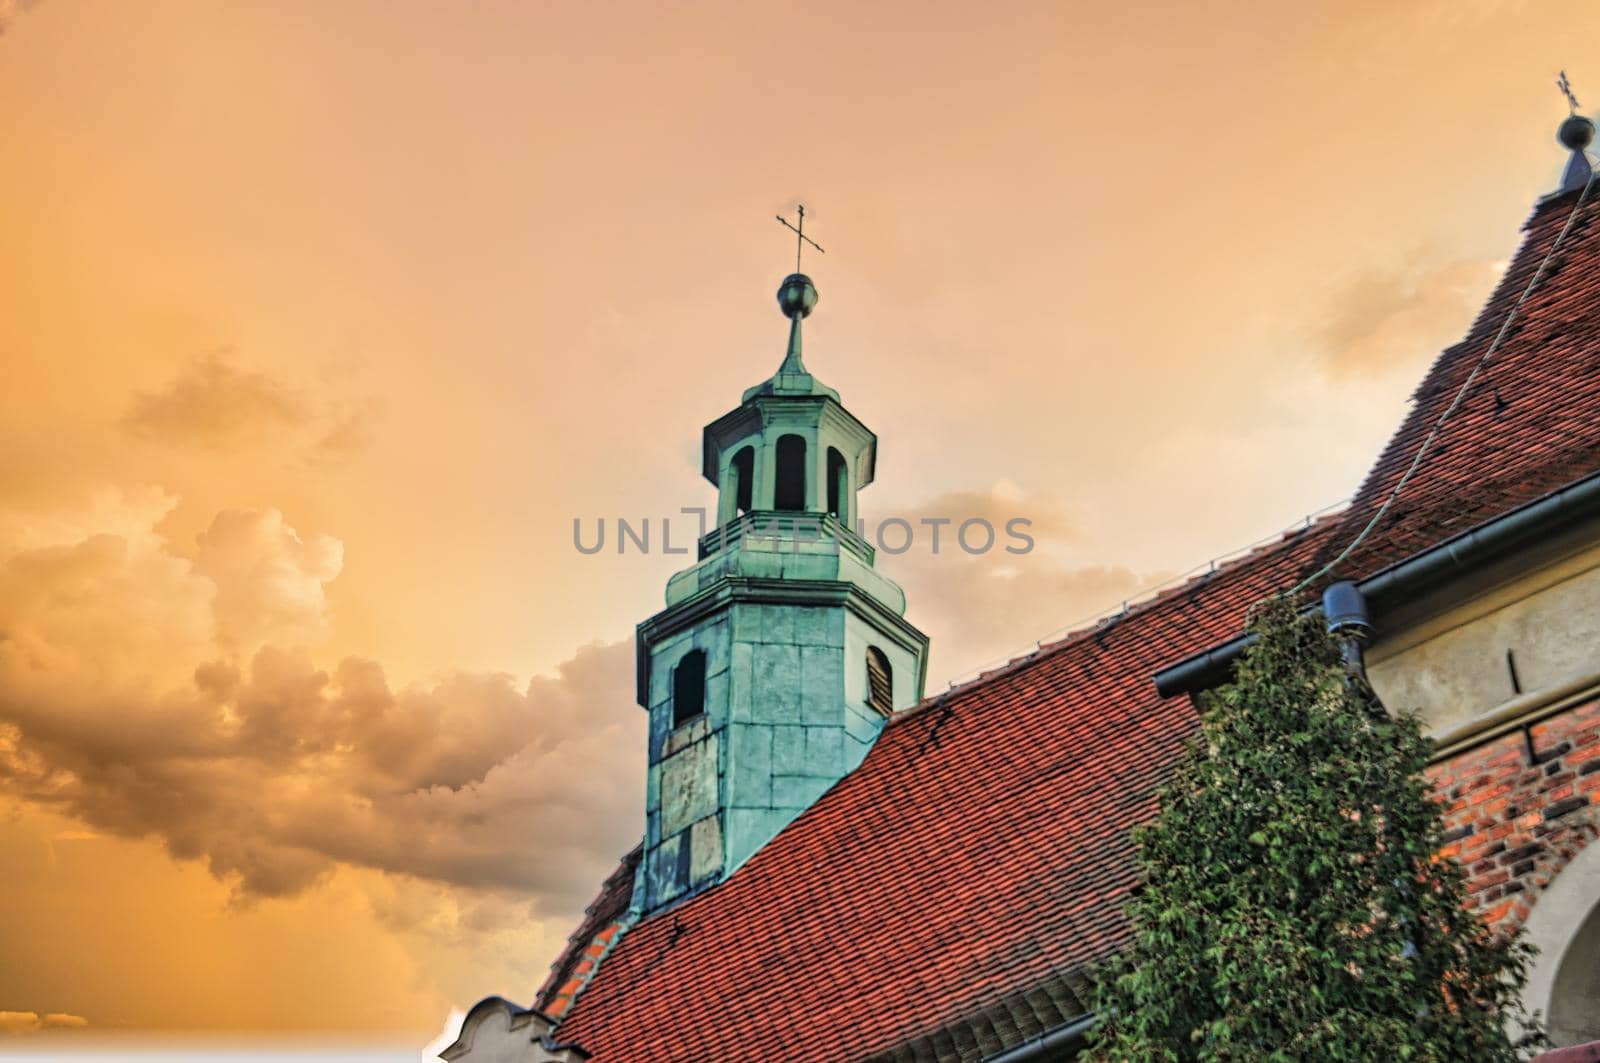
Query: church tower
(782,652)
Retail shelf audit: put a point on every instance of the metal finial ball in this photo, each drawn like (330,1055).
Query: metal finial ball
(1576,133)
(797,296)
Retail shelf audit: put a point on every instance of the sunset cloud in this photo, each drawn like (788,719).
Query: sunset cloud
(208,724)
(1049,516)
(981,611)
(1402,316)
(215,403)
(980,608)
(10,10)
(268,580)
(151,690)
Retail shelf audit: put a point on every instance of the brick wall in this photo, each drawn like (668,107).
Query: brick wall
(1515,822)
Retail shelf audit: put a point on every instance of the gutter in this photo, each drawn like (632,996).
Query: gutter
(1204,670)
(1041,1046)
(1417,574)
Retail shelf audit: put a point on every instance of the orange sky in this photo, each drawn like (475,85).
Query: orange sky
(324,321)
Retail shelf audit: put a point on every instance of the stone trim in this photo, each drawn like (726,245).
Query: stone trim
(1516,713)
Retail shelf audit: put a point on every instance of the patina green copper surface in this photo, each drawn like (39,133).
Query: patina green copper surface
(783,604)
(797,297)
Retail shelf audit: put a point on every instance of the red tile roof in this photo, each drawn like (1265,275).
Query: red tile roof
(944,900)
(591,940)
(1527,424)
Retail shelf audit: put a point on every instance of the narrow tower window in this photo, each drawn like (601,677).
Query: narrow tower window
(791,486)
(880,681)
(743,468)
(838,486)
(689,687)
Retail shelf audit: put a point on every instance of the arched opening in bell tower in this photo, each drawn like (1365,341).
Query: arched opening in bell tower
(838,484)
(742,480)
(790,487)
(689,688)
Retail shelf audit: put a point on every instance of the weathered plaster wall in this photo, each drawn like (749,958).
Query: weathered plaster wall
(1454,667)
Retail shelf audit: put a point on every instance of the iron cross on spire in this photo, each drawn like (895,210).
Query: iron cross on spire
(1566,90)
(800,237)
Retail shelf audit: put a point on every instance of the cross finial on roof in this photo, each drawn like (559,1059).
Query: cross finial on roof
(1561,83)
(1576,134)
(800,237)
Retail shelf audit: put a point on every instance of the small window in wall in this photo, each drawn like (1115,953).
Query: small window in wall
(689,687)
(880,681)
(838,484)
(743,468)
(791,484)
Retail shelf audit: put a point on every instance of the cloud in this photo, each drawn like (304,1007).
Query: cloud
(1049,517)
(982,608)
(15,1023)
(214,404)
(346,429)
(101,595)
(269,582)
(11,10)
(1402,316)
(148,691)
(982,611)
(150,694)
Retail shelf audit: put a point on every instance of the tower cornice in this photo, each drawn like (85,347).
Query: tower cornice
(731,590)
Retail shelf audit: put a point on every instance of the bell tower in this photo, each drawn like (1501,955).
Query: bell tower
(782,651)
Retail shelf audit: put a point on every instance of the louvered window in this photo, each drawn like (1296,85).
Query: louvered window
(880,681)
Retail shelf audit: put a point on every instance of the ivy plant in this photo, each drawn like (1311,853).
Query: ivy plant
(1293,905)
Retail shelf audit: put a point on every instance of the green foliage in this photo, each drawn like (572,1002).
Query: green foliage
(1292,906)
